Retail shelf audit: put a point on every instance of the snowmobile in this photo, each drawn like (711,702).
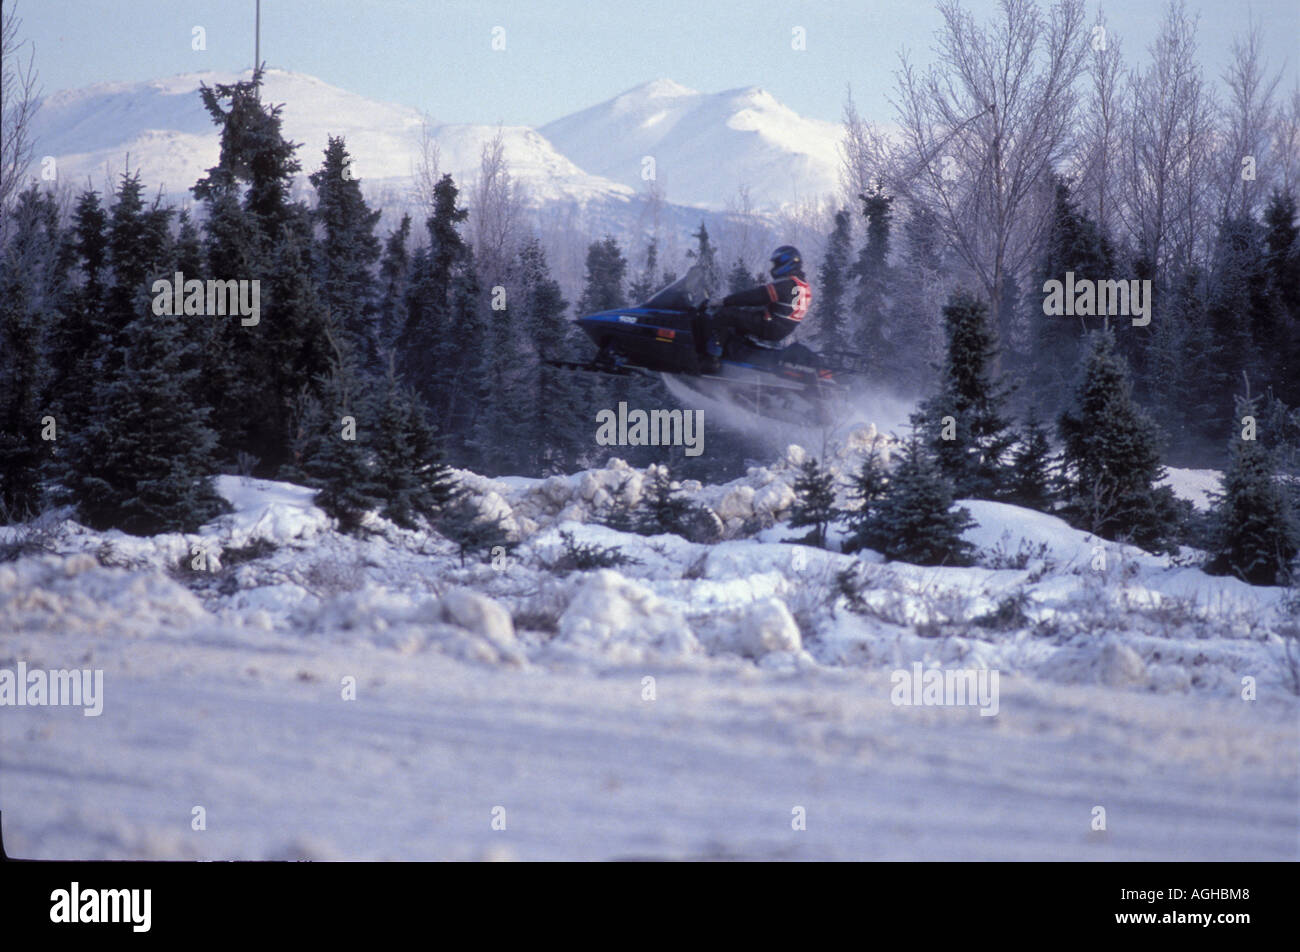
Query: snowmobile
(792,384)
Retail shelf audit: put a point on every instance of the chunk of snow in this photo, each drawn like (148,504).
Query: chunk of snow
(620,618)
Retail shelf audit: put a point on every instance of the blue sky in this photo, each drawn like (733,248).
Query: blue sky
(561,55)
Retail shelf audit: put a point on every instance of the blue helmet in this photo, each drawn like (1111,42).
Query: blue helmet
(786,261)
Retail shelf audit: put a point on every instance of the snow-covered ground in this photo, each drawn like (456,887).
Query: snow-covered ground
(697,702)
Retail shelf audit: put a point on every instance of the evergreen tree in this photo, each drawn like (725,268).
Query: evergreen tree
(606,270)
(465,352)
(254,154)
(964,424)
(739,278)
(504,384)
(867,487)
(73,349)
(915,521)
(343,466)
(1255,535)
(294,341)
(662,509)
(814,505)
(1282,241)
(31,299)
(874,283)
(442,279)
(1111,456)
(1073,244)
(558,404)
(465,524)
(705,257)
(348,251)
(256,233)
(411,476)
(1244,320)
(394,276)
(142,462)
(648,281)
(832,287)
(1030,480)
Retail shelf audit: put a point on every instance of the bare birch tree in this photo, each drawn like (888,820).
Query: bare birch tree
(1169,131)
(983,128)
(1250,167)
(495,211)
(1286,140)
(19,100)
(864,154)
(1101,126)
(425,169)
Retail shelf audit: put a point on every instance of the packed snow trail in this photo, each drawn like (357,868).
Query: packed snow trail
(585,768)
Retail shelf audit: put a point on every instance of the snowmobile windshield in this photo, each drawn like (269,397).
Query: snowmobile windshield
(686,292)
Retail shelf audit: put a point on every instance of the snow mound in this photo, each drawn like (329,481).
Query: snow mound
(268,511)
(65,595)
(623,620)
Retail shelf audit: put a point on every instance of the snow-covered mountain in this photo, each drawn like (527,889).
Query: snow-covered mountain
(591,157)
(704,145)
(161,128)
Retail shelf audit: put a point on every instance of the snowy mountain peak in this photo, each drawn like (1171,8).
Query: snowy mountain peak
(662,88)
(705,145)
(162,129)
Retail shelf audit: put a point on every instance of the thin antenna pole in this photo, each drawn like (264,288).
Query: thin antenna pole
(257,49)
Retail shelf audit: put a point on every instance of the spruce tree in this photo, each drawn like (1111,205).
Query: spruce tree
(1073,243)
(814,502)
(606,271)
(343,467)
(964,424)
(254,154)
(394,278)
(1111,456)
(1030,481)
(915,521)
(255,232)
(739,278)
(465,524)
(1255,534)
(339,437)
(705,257)
(874,277)
(1282,240)
(867,488)
(557,407)
(349,250)
(464,353)
(832,287)
(143,460)
(32,289)
(663,508)
(411,477)
(1245,320)
(814,505)
(503,382)
(648,281)
(431,348)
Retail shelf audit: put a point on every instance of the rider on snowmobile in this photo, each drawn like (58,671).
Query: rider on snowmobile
(768,312)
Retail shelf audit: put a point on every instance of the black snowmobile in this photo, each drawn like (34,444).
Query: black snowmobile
(793,384)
